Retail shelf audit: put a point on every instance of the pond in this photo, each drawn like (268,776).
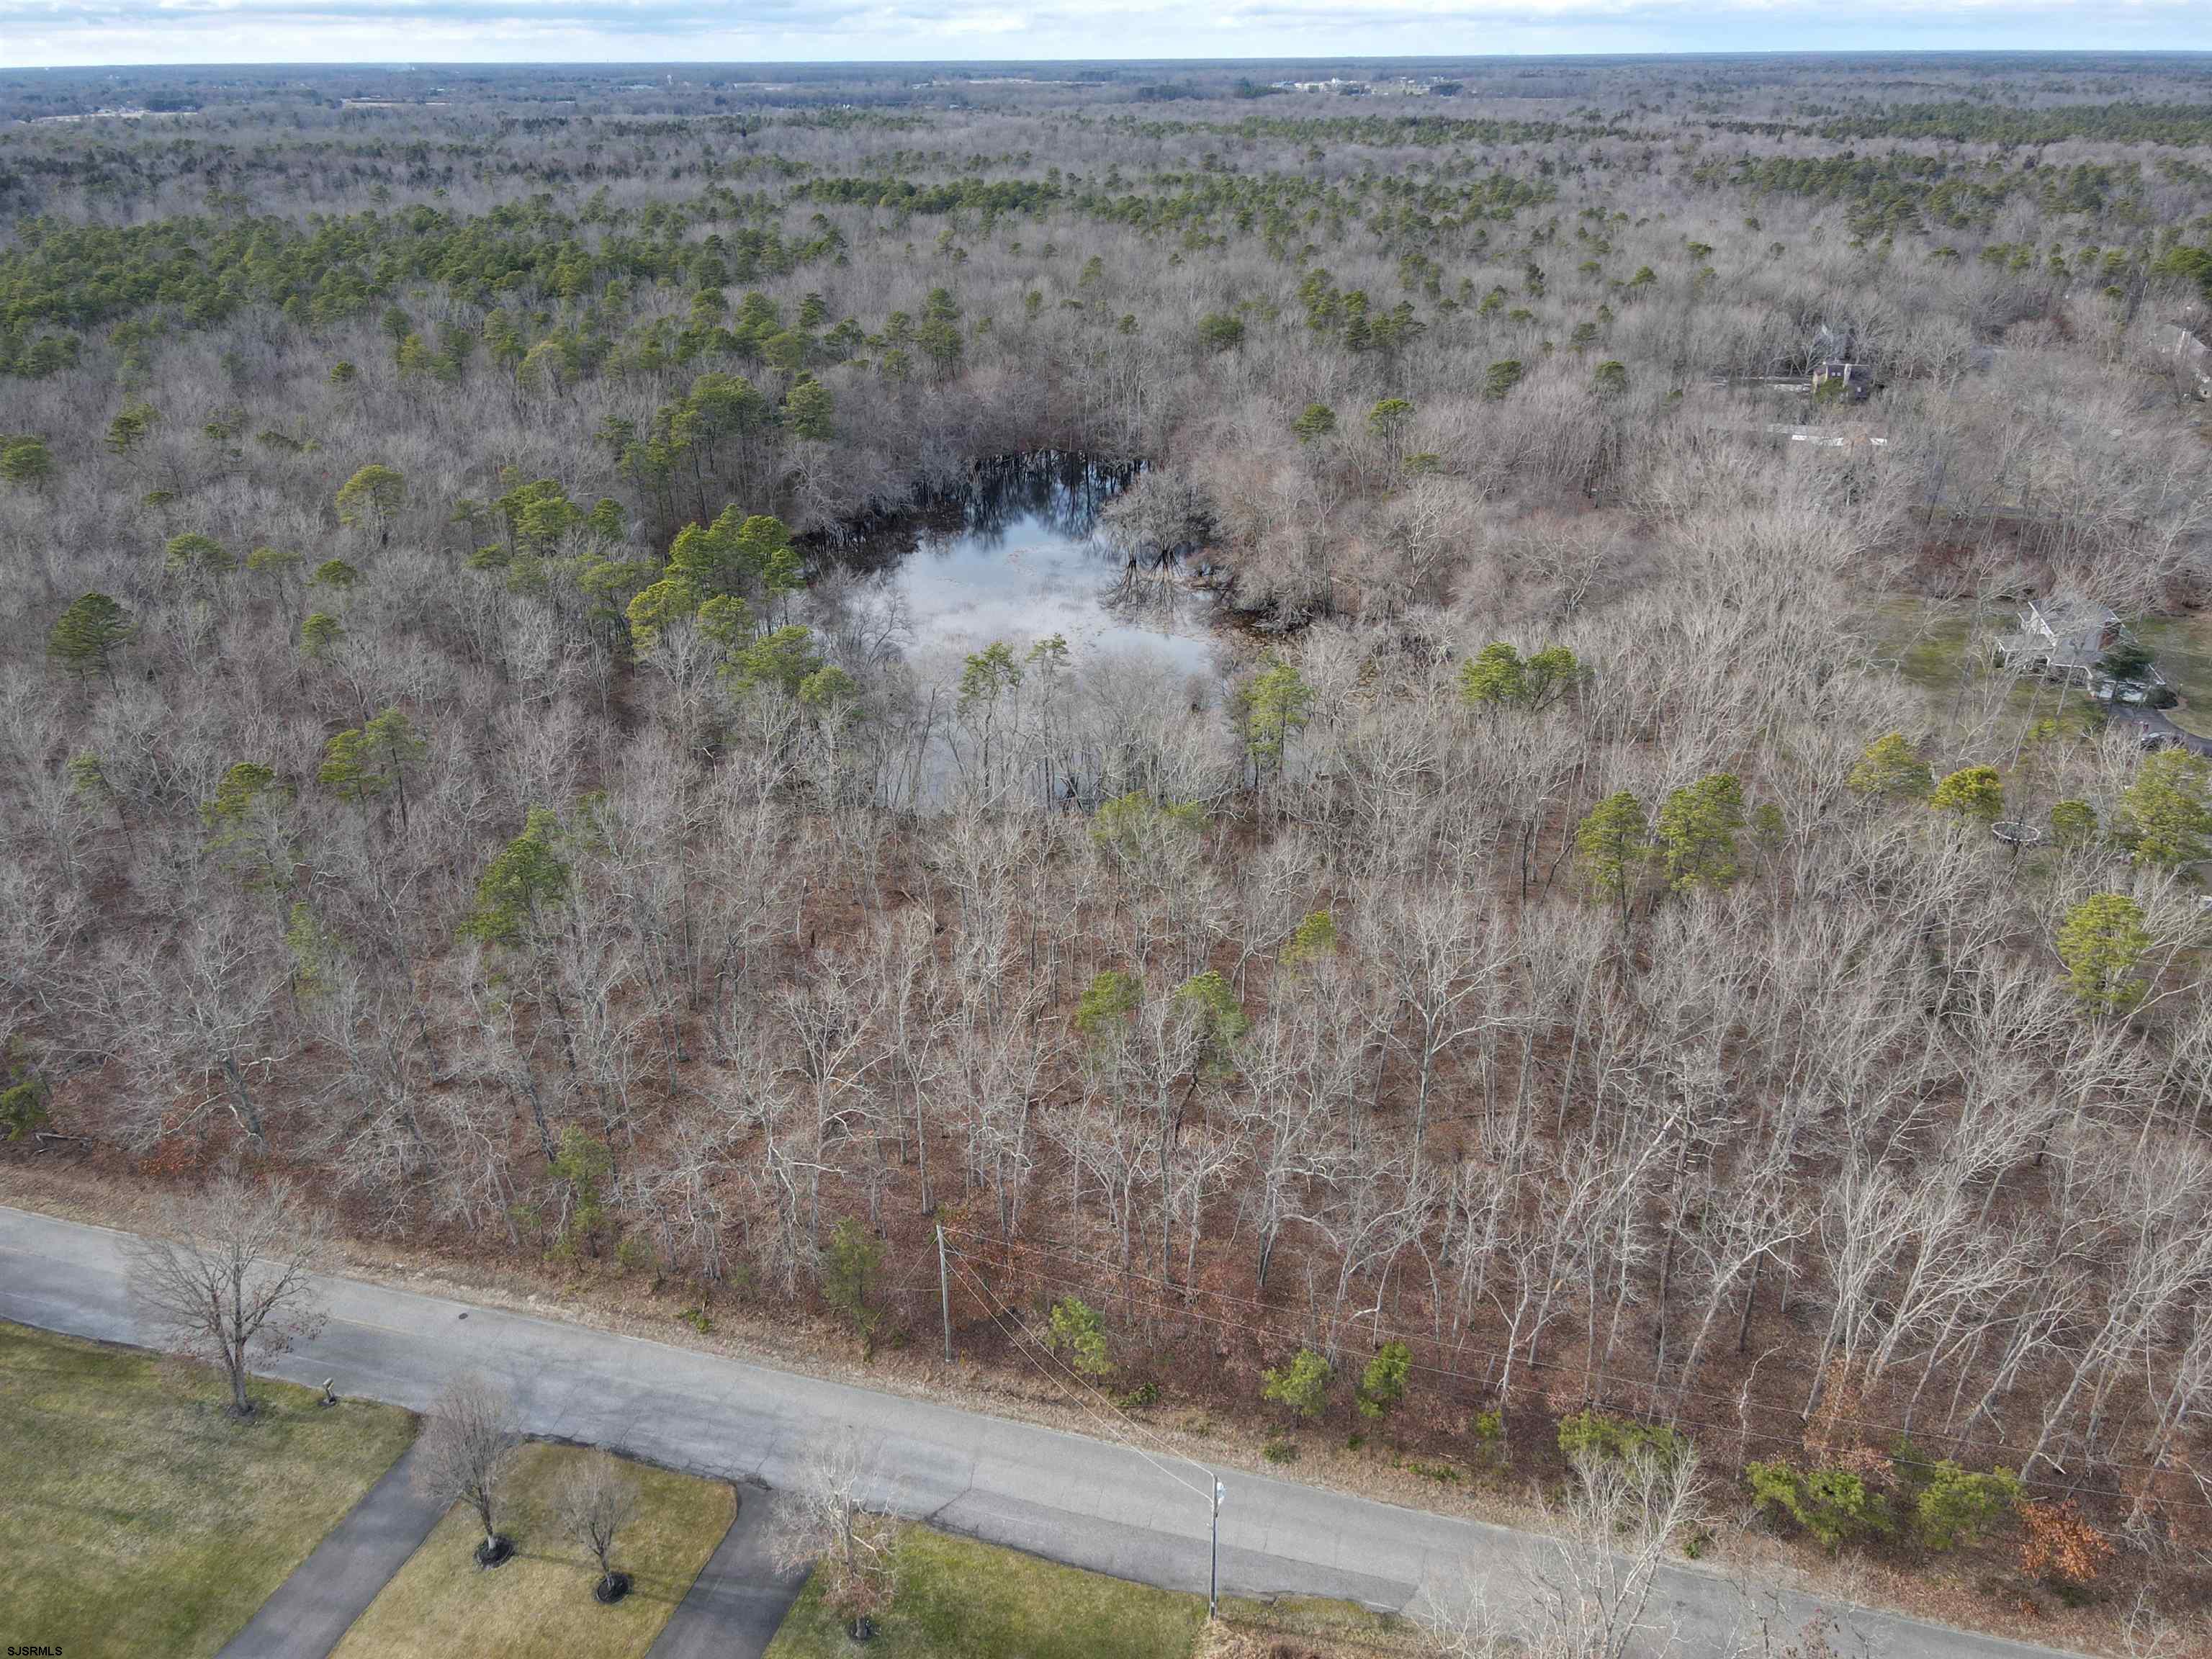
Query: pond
(1017,555)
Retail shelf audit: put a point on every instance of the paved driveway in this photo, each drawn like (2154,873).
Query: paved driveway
(2153,723)
(326,1592)
(735,1608)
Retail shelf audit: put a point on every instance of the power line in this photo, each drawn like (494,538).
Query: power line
(1743,1430)
(1589,1375)
(1168,1312)
(1739,1404)
(1021,1333)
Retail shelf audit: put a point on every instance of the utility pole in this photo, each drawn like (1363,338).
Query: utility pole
(943,1293)
(1214,1577)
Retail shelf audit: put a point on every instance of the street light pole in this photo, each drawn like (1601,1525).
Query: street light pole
(1213,1580)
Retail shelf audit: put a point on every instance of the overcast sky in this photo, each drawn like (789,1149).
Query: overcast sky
(37,33)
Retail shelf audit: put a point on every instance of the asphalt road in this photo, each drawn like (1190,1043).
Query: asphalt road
(1087,1502)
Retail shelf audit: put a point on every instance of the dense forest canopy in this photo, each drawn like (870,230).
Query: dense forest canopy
(1626,927)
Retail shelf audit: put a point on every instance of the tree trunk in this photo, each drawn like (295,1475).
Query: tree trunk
(1750,1296)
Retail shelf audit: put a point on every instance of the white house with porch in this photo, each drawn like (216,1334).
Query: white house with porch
(2066,637)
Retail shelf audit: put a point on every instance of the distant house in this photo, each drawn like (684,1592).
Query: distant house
(2191,357)
(1851,379)
(1850,435)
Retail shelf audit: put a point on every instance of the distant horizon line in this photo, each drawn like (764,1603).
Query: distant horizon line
(424,65)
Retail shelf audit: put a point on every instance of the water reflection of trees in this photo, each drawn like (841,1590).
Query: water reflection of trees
(1063,492)
(1162,516)
(866,615)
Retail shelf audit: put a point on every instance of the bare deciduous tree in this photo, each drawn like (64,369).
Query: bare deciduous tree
(1589,1592)
(467,1448)
(821,872)
(823,1521)
(231,1273)
(597,1500)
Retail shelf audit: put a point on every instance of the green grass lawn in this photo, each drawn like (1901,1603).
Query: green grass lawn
(2183,646)
(1925,639)
(958,1599)
(139,1519)
(540,1603)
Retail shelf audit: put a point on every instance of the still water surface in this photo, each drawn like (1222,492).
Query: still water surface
(1016,554)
